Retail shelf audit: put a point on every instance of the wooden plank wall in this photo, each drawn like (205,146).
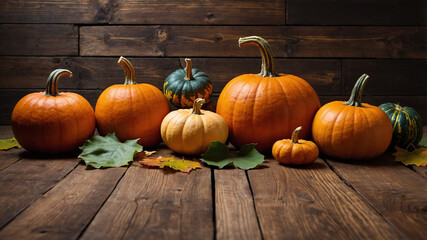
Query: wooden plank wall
(330,43)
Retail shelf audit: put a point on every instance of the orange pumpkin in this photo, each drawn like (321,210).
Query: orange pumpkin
(352,129)
(52,122)
(263,108)
(131,110)
(294,150)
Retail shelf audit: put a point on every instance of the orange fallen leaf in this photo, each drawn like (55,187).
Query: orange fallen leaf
(171,162)
(417,157)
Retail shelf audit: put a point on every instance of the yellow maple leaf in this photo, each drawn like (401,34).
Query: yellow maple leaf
(6,144)
(417,157)
(171,162)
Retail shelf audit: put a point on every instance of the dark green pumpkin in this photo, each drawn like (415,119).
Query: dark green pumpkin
(184,86)
(407,125)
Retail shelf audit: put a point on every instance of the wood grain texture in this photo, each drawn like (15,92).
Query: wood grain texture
(27,180)
(311,202)
(356,12)
(88,73)
(238,12)
(213,41)
(235,213)
(386,77)
(10,156)
(99,73)
(395,191)
(38,39)
(221,41)
(64,211)
(157,205)
(356,42)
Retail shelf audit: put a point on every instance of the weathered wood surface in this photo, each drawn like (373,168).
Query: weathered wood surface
(99,73)
(237,12)
(386,77)
(234,207)
(154,204)
(399,195)
(356,12)
(27,180)
(45,198)
(65,211)
(311,202)
(221,41)
(38,39)
(10,156)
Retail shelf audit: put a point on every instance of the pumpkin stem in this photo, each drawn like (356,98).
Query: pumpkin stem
(52,81)
(356,94)
(188,70)
(294,138)
(197,105)
(267,66)
(398,107)
(129,70)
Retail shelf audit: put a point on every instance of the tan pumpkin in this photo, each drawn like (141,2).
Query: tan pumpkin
(294,150)
(191,131)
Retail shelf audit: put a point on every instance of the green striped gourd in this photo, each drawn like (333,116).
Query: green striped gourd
(407,125)
(184,86)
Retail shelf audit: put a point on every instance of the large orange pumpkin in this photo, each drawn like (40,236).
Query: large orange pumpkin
(52,122)
(263,108)
(131,110)
(352,129)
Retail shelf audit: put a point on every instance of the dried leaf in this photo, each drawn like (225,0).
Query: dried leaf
(108,151)
(218,155)
(171,162)
(141,155)
(6,144)
(417,157)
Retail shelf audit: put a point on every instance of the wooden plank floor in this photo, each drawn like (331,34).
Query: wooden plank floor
(57,198)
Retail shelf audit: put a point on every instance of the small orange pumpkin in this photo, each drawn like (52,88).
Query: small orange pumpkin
(52,122)
(263,108)
(131,110)
(352,130)
(294,150)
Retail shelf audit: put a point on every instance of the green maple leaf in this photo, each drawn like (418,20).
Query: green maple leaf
(218,155)
(6,144)
(417,157)
(108,151)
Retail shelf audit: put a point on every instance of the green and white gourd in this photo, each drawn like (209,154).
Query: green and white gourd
(407,125)
(184,86)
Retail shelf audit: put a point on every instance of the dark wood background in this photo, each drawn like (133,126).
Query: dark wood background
(330,43)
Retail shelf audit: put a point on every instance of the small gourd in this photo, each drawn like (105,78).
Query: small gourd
(352,129)
(131,110)
(295,151)
(183,86)
(407,125)
(191,131)
(53,122)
